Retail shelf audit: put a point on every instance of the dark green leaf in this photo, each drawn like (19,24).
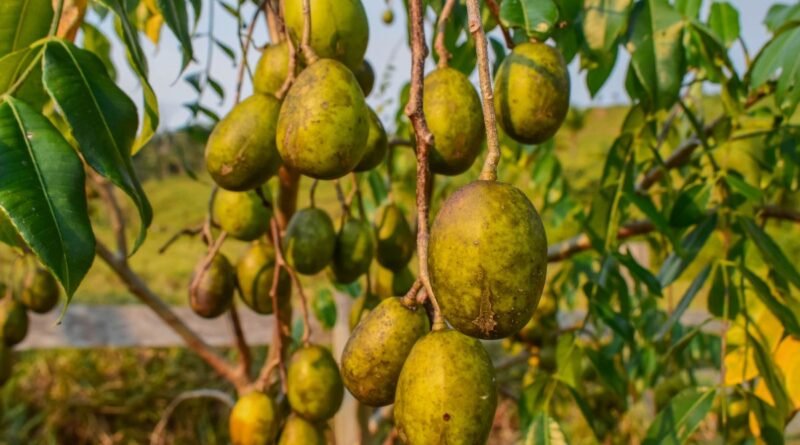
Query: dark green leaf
(324,308)
(676,423)
(44,193)
(177,19)
(95,41)
(536,17)
(778,61)
(603,219)
(640,273)
(378,187)
(686,300)
(690,206)
(723,300)
(770,251)
(724,20)
(226,49)
(691,244)
(102,117)
(607,371)
(740,185)
(13,66)
(23,22)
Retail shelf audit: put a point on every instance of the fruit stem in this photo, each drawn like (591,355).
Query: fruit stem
(245,47)
(424,140)
(489,172)
(312,192)
(308,51)
(290,72)
(441,26)
(494,8)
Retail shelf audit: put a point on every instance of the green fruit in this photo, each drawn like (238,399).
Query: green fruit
(488,259)
(315,388)
(388,17)
(389,283)
(6,362)
(241,153)
(339,28)
(254,420)
(531,93)
(13,321)
(309,241)
(365,76)
(455,117)
(255,271)
(361,308)
(273,66)
(299,431)
(324,122)
(459,407)
(41,292)
(395,239)
(377,144)
(242,214)
(354,251)
(377,349)
(214,291)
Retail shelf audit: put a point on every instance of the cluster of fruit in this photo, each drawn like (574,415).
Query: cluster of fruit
(487,253)
(38,292)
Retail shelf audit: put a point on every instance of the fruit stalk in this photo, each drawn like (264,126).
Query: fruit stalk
(245,358)
(424,138)
(441,26)
(305,46)
(494,8)
(245,46)
(489,172)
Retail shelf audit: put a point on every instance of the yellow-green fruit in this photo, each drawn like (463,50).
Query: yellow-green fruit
(213,294)
(272,69)
(354,251)
(13,321)
(453,110)
(241,153)
(299,431)
(388,17)
(255,271)
(377,144)
(339,28)
(488,259)
(315,388)
(389,283)
(531,93)
(395,239)
(242,214)
(365,76)
(309,241)
(324,122)
(377,349)
(6,362)
(459,407)
(41,292)
(254,420)
(361,308)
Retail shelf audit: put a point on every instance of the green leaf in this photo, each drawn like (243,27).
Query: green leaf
(324,308)
(535,397)
(778,61)
(689,8)
(544,430)
(691,244)
(770,251)
(686,300)
(723,298)
(44,193)
(767,368)
(95,41)
(604,21)
(13,66)
(378,187)
(23,22)
(607,371)
(102,117)
(780,15)
(603,220)
(536,17)
(676,423)
(783,313)
(740,185)
(177,19)
(138,62)
(724,20)
(657,56)
(690,206)
(568,359)
(640,273)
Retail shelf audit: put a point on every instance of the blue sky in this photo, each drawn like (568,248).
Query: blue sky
(387,47)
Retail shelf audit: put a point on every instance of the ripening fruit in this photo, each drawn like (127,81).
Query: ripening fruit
(309,241)
(315,388)
(273,66)
(13,320)
(255,271)
(339,28)
(361,308)
(459,407)
(241,214)
(531,93)
(488,259)
(365,76)
(377,144)
(393,284)
(41,292)
(354,251)
(299,431)
(395,239)
(241,152)
(388,16)
(254,420)
(453,110)
(214,292)
(6,362)
(324,122)
(377,349)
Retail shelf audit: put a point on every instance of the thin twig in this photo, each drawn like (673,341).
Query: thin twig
(106,190)
(312,193)
(157,436)
(188,231)
(441,27)
(245,358)
(495,10)
(489,172)
(424,138)
(245,48)
(203,266)
(281,262)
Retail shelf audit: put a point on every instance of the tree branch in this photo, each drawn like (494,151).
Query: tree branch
(424,137)
(245,358)
(441,26)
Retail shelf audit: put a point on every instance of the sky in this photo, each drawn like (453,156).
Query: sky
(387,47)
